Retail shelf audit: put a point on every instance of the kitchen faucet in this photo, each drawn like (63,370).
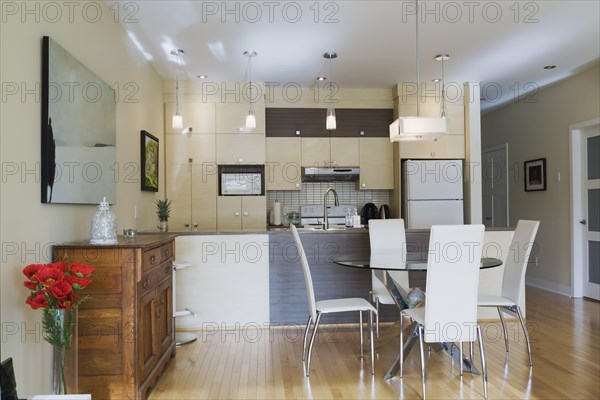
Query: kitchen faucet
(336,202)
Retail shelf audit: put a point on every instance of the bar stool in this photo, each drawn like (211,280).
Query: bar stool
(181,338)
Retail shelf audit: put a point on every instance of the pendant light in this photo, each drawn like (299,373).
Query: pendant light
(330,121)
(419,128)
(177,119)
(250,118)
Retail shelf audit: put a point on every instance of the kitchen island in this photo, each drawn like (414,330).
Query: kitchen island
(254,279)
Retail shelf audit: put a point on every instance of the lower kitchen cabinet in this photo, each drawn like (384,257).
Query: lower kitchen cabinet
(125,329)
(241,213)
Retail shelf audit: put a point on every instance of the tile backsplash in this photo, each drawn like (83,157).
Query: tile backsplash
(312,193)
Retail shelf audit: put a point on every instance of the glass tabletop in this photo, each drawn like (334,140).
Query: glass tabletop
(414,265)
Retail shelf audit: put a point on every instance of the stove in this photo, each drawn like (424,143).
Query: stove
(312,214)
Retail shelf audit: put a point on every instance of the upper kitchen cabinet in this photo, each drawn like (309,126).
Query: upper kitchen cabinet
(231,118)
(296,122)
(199,116)
(363,122)
(376,164)
(235,145)
(282,167)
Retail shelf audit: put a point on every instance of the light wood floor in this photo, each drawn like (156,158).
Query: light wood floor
(263,364)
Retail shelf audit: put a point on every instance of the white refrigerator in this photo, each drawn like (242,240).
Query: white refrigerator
(432,193)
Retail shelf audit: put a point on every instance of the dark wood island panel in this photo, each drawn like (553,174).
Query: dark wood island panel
(288,303)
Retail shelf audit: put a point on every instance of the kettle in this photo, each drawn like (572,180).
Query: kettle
(384,211)
(369,211)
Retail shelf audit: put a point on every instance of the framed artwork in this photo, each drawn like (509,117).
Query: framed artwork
(79,131)
(149,159)
(535,175)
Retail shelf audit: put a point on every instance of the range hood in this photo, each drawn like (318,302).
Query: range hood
(341,174)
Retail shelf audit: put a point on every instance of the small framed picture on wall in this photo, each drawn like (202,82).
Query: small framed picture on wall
(149,161)
(535,175)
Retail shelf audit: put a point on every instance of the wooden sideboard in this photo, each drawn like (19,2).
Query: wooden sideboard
(125,330)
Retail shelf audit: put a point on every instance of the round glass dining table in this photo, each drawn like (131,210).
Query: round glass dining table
(411,265)
(401,297)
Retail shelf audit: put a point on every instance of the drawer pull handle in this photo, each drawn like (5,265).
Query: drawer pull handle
(146,283)
(167,252)
(153,259)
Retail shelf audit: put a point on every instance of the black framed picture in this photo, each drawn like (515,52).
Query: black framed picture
(535,175)
(149,161)
(78,131)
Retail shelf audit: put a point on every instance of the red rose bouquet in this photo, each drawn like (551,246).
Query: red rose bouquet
(55,288)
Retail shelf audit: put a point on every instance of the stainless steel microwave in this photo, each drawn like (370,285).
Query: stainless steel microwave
(241,180)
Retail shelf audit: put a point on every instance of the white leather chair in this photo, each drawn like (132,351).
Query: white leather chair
(450,312)
(513,281)
(318,308)
(387,238)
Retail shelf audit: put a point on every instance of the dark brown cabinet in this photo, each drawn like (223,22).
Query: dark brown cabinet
(125,331)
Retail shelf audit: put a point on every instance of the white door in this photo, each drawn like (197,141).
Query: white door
(494,171)
(421,214)
(590,156)
(433,179)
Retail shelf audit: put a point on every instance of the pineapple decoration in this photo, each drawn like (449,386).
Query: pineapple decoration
(163,210)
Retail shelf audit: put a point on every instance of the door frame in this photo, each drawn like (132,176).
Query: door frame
(575,133)
(503,146)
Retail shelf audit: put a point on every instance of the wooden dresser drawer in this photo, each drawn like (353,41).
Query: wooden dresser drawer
(157,255)
(154,276)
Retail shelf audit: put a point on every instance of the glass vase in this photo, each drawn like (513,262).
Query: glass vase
(163,226)
(60,331)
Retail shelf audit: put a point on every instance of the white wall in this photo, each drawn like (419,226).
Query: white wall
(28,227)
(540,129)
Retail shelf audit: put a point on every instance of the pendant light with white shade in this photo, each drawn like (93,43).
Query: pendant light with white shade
(330,121)
(177,118)
(250,118)
(420,128)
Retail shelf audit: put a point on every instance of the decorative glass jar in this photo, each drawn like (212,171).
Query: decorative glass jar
(104,225)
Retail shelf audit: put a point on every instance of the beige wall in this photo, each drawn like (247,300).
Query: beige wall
(537,130)
(28,227)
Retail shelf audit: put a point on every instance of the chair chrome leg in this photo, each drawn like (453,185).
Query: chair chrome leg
(401,344)
(305,338)
(372,343)
(312,342)
(377,315)
(483,364)
(362,351)
(460,357)
(421,349)
(503,327)
(471,352)
(526,334)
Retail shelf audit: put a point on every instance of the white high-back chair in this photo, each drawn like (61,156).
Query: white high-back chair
(318,308)
(387,238)
(450,312)
(513,281)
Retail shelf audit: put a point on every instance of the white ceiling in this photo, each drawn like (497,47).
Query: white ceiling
(502,44)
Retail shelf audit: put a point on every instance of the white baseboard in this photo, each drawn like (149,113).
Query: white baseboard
(549,286)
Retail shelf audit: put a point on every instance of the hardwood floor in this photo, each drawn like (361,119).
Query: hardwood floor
(267,364)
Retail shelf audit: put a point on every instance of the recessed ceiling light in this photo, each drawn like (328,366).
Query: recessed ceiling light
(321,78)
(202,76)
(550,67)
(436,80)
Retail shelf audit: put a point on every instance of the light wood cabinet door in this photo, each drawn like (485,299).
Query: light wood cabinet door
(316,152)
(344,152)
(254,213)
(191,181)
(199,116)
(240,148)
(229,214)
(283,163)
(241,213)
(376,164)
(448,146)
(231,117)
